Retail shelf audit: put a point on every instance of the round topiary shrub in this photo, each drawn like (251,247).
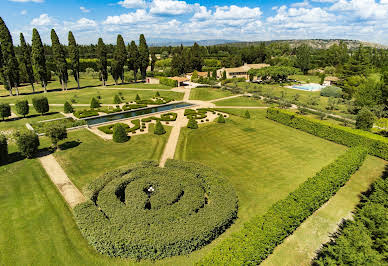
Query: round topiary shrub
(119,133)
(144,211)
(220,119)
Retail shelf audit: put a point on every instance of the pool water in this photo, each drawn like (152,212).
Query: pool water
(308,87)
(133,113)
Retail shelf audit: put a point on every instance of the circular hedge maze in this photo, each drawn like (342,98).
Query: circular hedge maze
(143,211)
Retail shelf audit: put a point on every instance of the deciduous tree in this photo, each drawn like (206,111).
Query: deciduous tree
(22,107)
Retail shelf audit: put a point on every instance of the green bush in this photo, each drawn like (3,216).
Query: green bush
(168,82)
(68,122)
(377,145)
(22,107)
(117,99)
(41,105)
(365,119)
(67,108)
(192,124)
(5,110)
(331,91)
(85,113)
(128,107)
(247,114)
(137,98)
(56,132)
(259,236)
(157,94)
(108,129)
(94,103)
(3,150)
(198,114)
(187,207)
(163,117)
(159,129)
(119,134)
(220,119)
(27,142)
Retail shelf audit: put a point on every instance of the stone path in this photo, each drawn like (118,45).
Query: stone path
(68,190)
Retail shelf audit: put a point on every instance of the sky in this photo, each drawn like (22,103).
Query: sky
(240,20)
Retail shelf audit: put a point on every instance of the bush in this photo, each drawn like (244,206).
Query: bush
(95,103)
(117,99)
(365,119)
(200,113)
(163,117)
(41,105)
(168,81)
(68,122)
(67,108)
(262,234)
(27,142)
(128,107)
(247,114)
(108,129)
(192,124)
(377,145)
(3,150)
(56,132)
(179,208)
(331,91)
(5,110)
(119,134)
(157,94)
(137,98)
(220,119)
(159,129)
(85,113)
(22,107)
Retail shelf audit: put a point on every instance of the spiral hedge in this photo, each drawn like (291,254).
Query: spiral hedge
(143,211)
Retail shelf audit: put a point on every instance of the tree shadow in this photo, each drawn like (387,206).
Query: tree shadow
(29,116)
(15,157)
(69,145)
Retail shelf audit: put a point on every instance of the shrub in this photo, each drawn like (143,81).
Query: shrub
(117,99)
(128,107)
(85,113)
(157,94)
(22,107)
(3,150)
(27,142)
(68,122)
(67,108)
(41,105)
(377,145)
(119,134)
(179,208)
(168,81)
(262,234)
(192,124)
(5,110)
(94,103)
(365,119)
(247,114)
(163,117)
(220,119)
(137,97)
(159,129)
(56,132)
(331,91)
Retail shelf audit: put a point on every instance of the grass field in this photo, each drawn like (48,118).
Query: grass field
(241,101)
(207,94)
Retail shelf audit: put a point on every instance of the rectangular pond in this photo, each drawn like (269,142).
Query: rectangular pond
(133,113)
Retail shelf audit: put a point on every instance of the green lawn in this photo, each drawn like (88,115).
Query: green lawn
(300,247)
(306,78)
(207,94)
(94,156)
(142,86)
(241,101)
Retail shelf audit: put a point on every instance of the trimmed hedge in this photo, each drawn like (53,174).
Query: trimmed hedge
(377,145)
(128,107)
(163,117)
(196,114)
(143,211)
(108,129)
(168,81)
(262,234)
(68,122)
(85,113)
(158,101)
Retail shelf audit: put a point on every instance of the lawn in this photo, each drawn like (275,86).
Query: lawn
(306,78)
(207,94)
(241,101)
(93,156)
(142,86)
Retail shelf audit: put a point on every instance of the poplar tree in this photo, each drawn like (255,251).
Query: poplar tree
(10,66)
(74,57)
(25,60)
(119,60)
(59,59)
(144,56)
(133,59)
(39,59)
(102,61)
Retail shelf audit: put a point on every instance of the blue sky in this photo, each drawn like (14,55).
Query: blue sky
(239,20)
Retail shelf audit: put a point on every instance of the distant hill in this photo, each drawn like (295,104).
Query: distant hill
(177,42)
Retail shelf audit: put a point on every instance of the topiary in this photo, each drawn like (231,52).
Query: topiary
(119,134)
(116,99)
(95,103)
(27,142)
(40,104)
(157,94)
(159,129)
(247,114)
(56,132)
(220,119)
(3,150)
(192,124)
(365,119)
(22,107)
(67,108)
(137,97)
(5,110)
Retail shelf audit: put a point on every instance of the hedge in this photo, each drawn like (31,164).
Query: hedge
(196,114)
(262,234)
(69,122)
(85,113)
(108,129)
(377,145)
(168,81)
(163,117)
(128,107)
(159,100)
(144,211)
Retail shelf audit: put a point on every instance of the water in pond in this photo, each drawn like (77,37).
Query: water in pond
(129,114)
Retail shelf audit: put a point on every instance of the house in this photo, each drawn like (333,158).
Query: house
(152,80)
(239,72)
(181,80)
(330,80)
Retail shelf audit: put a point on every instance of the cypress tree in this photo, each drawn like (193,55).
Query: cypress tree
(67,108)
(94,103)
(220,119)
(102,61)
(59,59)
(153,61)
(121,55)
(22,107)
(10,66)
(144,56)
(247,114)
(39,58)
(2,78)
(119,134)
(159,129)
(117,99)
(133,59)
(196,57)
(25,60)
(74,57)
(115,70)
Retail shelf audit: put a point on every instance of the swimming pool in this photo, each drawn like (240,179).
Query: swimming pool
(133,113)
(308,87)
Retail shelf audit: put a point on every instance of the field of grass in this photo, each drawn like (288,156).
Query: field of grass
(207,94)
(142,86)
(93,156)
(241,101)
(306,78)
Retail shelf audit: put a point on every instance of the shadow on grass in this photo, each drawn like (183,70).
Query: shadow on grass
(69,145)
(29,116)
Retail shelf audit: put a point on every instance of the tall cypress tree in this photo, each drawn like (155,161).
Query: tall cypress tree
(102,61)
(39,58)
(1,70)
(25,60)
(196,58)
(133,59)
(153,61)
(144,56)
(74,57)
(121,55)
(59,59)
(10,63)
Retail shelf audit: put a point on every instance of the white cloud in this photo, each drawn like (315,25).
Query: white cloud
(364,9)
(42,20)
(170,7)
(81,24)
(84,9)
(235,12)
(140,15)
(23,12)
(301,4)
(132,3)
(25,1)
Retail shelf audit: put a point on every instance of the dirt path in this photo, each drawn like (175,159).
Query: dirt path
(69,192)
